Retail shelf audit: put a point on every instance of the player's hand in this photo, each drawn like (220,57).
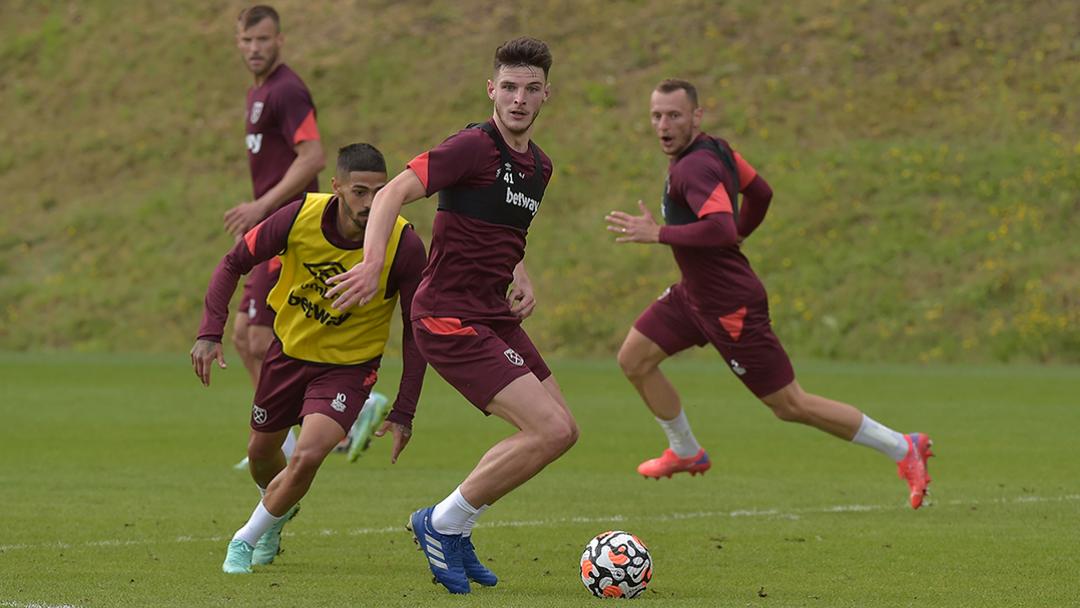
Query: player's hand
(243,217)
(634,228)
(354,287)
(521,298)
(203,355)
(401,433)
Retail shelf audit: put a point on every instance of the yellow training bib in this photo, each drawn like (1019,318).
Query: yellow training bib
(308,327)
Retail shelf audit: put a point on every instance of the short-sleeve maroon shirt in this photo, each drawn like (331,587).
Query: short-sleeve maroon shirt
(471,261)
(280,114)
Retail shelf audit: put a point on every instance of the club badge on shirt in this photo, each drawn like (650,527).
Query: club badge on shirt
(256,111)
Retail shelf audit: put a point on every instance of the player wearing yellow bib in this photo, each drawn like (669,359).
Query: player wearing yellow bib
(322,363)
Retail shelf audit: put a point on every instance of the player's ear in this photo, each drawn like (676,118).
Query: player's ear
(699,112)
(491,90)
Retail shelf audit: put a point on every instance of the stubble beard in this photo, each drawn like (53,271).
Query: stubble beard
(513,130)
(269,61)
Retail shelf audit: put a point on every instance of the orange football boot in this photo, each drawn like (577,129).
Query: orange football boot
(913,467)
(669,463)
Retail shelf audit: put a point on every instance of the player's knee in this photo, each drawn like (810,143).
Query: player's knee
(262,453)
(788,407)
(306,461)
(633,366)
(240,343)
(562,434)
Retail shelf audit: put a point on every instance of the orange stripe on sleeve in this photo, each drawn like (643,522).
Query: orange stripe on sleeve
(308,130)
(718,202)
(419,165)
(746,172)
(249,238)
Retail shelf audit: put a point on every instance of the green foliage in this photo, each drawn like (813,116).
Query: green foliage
(924,158)
(118,491)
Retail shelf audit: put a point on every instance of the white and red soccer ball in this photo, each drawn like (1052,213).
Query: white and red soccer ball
(616,564)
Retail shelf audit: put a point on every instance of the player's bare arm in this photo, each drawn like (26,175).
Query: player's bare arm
(634,228)
(307,164)
(522,298)
(356,286)
(203,355)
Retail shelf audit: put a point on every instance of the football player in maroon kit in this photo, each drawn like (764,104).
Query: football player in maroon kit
(720,301)
(474,293)
(285,155)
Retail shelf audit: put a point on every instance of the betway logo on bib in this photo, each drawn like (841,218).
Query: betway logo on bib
(518,199)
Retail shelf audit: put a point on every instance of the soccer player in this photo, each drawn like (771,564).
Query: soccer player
(321,365)
(285,156)
(721,301)
(468,309)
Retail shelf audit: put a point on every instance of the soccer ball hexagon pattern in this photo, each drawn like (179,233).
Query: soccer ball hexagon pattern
(616,564)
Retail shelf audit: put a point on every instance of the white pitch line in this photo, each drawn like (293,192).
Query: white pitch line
(792,514)
(33,605)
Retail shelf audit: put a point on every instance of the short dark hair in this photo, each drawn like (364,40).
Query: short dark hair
(360,157)
(523,51)
(250,17)
(670,85)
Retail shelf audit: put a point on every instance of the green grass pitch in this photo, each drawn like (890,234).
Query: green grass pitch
(117,490)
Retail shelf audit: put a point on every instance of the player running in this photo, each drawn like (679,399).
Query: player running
(468,310)
(722,302)
(322,364)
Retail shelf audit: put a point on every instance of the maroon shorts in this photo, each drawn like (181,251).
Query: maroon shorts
(478,360)
(259,282)
(290,389)
(743,337)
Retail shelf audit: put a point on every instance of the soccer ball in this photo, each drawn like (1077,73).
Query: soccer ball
(616,564)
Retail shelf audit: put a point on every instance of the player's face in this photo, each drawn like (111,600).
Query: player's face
(518,93)
(355,192)
(675,120)
(259,46)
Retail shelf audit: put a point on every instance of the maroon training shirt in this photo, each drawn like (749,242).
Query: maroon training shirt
(280,114)
(716,275)
(270,237)
(472,261)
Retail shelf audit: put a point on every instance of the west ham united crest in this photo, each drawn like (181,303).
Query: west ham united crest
(256,111)
(258,414)
(513,357)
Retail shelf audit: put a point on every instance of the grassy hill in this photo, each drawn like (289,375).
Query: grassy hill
(925,159)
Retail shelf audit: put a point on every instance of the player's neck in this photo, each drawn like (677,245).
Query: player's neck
(260,79)
(517,143)
(347,230)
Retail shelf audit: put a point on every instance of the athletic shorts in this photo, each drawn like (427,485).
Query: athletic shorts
(743,337)
(290,389)
(478,360)
(259,282)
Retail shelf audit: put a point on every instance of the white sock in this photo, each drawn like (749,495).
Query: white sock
(262,491)
(260,522)
(450,515)
(883,439)
(289,445)
(680,438)
(469,523)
